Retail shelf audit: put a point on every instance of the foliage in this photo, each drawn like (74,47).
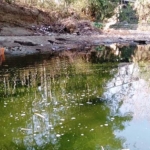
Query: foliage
(98,25)
(100,48)
(127,13)
(101,9)
(95,9)
(143,11)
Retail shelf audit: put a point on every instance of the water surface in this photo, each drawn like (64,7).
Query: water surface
(75,102)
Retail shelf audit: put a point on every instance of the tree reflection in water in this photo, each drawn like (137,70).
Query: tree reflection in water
(63,104)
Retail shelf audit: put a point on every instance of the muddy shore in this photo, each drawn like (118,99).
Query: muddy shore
(23,44)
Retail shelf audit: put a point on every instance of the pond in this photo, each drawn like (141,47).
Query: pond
(97,100)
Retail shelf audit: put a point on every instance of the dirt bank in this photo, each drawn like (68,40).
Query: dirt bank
(25,45)
(26,31)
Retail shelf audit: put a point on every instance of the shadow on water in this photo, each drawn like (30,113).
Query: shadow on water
(74,100)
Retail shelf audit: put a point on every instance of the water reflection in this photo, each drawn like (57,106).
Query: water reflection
(131,90)
(126,86)
(67,102)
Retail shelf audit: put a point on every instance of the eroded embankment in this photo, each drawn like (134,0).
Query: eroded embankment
(26,45)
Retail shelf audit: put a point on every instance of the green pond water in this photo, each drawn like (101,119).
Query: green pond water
(70,102)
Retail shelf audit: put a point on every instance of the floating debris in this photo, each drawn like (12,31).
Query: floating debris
(58,135)
(25,129)
(112,119)
(39,115)
(62,119)
(92,130)
(89,102)
(48,104)
(80,104)
(82,134)
(23,115)
(73,101)
(102,147)
(73,118)
(106,124)
(50,125)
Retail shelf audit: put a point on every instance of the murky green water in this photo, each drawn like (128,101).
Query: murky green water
(70,102)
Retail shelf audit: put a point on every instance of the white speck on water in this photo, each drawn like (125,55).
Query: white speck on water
(23,115)
(106,124)
(112,119)
(60,123)
(62,119)
(58,135)
(89,102)
(82,134)
(101,125)
(50,125)
(92,130)
(81,104)
(39,88)
(73,118)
